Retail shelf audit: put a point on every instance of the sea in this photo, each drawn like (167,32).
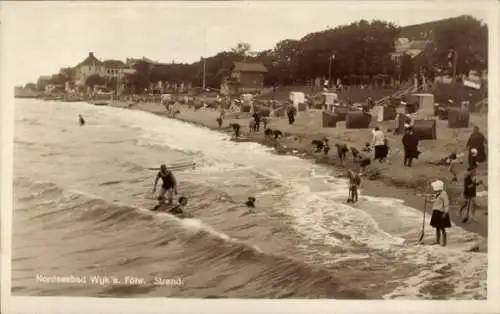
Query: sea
(83,225)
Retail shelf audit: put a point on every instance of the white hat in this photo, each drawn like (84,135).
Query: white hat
(437,185)
(407,125)
(473,151)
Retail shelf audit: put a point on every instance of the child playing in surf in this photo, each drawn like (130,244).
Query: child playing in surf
(354,182)
(177,209)
(440,219)
(250,202)
(169,185)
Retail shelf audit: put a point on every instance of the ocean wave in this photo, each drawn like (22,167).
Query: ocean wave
(205,246)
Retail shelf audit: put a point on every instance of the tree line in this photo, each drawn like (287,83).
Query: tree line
(358,53)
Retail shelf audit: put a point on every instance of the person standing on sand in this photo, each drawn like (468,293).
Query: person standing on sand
(470,190)
(291,115)
(265,122)
(378,143)
(81,120)
(440,219)
(477,141)
(256,118)
(410,143)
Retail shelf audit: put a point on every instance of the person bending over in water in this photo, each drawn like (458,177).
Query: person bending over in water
(250,202)
(236,129)
(169,184)
(81,119)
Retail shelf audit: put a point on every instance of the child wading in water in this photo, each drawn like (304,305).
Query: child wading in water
(440,219)
(354,182)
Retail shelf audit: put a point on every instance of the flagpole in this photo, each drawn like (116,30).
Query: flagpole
(204,54)
(332,56)
(455,59)
(204,72)
(330,72)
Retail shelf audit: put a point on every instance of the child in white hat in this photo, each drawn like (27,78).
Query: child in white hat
(440,219)
(473,158)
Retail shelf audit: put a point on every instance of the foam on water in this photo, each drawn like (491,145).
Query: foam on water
(314,201)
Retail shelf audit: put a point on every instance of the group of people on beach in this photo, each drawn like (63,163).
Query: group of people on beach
(440,203)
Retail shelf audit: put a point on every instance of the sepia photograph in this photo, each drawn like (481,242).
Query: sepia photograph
(316,150)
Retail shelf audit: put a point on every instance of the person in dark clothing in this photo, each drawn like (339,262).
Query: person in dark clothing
(326,146)
(250,202)
(277,134)
(354,152)
(256,118)
(473,158)
(470,191)
(236,129)
(81,120)
(177,209)
(268,132)
(364,161)
(319,145)
(478,141)
(169,184)
(291,115)
(410,143)
(342,151)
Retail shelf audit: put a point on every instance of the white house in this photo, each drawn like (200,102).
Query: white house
(109,69)
(88,67)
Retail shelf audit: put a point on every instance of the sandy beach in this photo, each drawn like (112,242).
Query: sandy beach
(395,180)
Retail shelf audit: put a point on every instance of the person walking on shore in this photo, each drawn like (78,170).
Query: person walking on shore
(470,191)
(440,219)
(291,114)
(256,119)
(477,141)
(410,143)
(379,144)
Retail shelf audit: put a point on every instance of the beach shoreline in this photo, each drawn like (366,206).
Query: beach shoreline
(297,143)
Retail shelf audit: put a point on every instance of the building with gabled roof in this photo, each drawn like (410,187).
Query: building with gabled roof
(245,77)
(109,69)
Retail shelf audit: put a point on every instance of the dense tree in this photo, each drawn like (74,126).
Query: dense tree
(356,53)
(67,73)
(30,86)
(242,49)
(469,38)
(94,80)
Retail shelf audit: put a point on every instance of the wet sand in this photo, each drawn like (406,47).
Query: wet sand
(395,180)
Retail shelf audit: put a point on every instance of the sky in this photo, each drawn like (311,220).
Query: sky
(39,38)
